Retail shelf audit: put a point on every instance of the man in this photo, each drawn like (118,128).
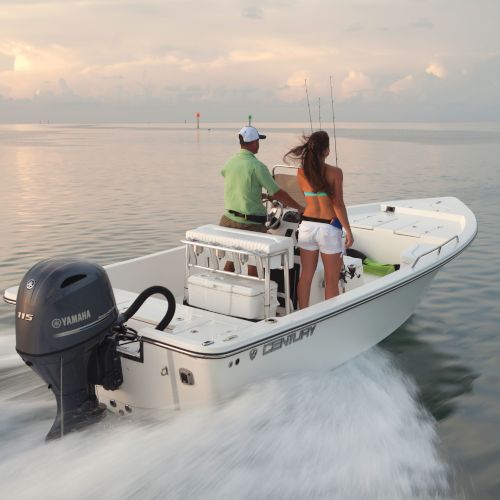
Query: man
(244,178)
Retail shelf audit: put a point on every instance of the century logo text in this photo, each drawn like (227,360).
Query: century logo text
(289,339)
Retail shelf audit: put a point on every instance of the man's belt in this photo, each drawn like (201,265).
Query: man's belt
(252,218)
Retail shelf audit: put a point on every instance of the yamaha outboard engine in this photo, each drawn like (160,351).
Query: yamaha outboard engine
(65,312)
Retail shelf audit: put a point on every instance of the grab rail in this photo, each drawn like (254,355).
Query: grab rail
(291,167)
(438,248)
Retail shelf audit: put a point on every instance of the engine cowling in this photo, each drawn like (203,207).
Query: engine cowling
(65,311)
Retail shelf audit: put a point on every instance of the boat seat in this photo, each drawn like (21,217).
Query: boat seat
(260,244)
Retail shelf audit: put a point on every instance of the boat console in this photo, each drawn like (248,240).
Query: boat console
(210,247)
(274,255)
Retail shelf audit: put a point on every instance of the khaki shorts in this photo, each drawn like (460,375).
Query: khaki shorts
(226,222)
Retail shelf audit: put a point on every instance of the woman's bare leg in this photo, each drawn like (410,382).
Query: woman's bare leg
(308,264)
(332,262)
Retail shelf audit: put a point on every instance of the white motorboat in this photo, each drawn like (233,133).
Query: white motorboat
(226,330)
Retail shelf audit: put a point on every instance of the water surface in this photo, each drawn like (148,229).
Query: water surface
(415,418)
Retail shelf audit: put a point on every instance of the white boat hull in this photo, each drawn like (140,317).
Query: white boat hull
(315,345)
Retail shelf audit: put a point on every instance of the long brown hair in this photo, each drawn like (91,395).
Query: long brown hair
(311,155)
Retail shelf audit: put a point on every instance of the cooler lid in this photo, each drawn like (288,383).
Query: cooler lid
(229,284)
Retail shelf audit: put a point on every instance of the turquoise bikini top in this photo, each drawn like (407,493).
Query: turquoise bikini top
(310,193)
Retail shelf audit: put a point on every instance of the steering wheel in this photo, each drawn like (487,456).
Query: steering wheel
(274,209)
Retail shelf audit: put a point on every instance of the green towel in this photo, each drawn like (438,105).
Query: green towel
(372,267)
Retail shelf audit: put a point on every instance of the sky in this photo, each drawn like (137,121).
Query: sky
(86,61)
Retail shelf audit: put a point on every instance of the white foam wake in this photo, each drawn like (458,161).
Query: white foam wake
(353,433)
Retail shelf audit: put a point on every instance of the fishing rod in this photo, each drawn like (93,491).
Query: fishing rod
(308,106)
(333,119)
(319,111)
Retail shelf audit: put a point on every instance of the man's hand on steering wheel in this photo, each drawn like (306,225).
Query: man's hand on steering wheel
(275,211)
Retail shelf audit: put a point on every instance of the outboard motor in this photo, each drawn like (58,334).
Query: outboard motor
(67,331)
(65,312)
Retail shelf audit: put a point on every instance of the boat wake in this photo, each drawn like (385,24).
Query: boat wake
(353,433)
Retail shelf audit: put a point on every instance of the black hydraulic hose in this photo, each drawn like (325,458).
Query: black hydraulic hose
(135,306)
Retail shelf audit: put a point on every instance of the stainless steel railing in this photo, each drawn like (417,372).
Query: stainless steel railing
(438,249)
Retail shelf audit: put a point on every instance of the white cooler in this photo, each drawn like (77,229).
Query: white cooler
(231,295)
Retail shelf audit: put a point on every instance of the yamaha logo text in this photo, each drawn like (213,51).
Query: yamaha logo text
(71,320)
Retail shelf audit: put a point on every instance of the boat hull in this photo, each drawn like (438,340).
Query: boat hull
(317,344)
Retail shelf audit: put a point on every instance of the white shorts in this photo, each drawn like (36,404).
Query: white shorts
(320,236)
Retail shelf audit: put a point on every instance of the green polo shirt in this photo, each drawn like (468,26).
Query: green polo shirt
(244,178)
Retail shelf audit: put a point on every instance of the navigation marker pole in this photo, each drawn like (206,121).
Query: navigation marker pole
(308,106)
(197,120)
(249,120)
(333,119)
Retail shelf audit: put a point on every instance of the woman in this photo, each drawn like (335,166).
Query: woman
(320,231)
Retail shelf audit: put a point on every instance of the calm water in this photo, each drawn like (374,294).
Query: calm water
(417,417)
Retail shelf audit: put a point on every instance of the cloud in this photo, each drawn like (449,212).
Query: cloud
(401,85)
(294,88)
(436,70)
(355,84)
(65,88)
(354,27)
(423,23)
(253,13)
(6,62)
(249,56)
(30,65)
(4,91)
(28,58)
(297,79)
(118,52)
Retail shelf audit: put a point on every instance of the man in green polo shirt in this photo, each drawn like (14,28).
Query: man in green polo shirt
(244,178)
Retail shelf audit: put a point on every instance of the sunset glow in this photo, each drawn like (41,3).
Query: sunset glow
(177,55)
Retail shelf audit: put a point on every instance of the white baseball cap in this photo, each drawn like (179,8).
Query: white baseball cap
(250,134)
